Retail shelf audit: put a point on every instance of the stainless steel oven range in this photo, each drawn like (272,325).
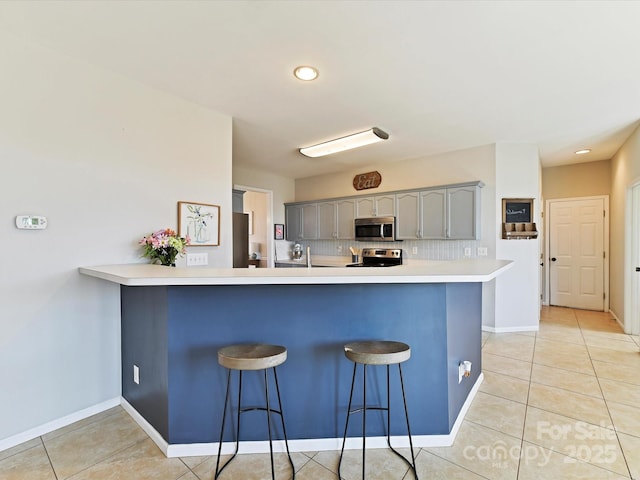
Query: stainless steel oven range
(379,257)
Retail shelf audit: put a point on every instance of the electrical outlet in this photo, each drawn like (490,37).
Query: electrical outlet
(339,247)
(482,251)
(197,259)
(467,252)
(414,251)
(136,375)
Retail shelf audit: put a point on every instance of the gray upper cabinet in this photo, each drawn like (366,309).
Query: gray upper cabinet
(346,212)
(463,213)
(335,219)
(408,215)
(310,221)
(433,214)
(450,212)
(293,216)
(439,214)
(327,221)
(302,221)
(378,206)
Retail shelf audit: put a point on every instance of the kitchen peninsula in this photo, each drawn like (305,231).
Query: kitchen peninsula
(175,319)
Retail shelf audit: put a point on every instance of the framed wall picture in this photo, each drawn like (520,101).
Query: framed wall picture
(199,221)
(278,231)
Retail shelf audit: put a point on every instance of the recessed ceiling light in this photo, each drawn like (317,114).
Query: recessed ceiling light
(583,151)
(345,143)
(306,73)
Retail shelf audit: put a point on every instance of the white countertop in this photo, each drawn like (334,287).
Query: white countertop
(471,270)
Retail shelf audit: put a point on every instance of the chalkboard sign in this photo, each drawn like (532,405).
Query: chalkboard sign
(517,210)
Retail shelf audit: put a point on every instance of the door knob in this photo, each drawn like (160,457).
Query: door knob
(553,259)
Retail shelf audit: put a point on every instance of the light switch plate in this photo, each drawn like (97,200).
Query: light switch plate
(197,259)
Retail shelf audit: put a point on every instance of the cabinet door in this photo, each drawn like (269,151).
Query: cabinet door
(408,216)
(462,213)
(385,205)
(346,212)
(293,216)
(310,221)
(365,207)
(433,205)
(327,221)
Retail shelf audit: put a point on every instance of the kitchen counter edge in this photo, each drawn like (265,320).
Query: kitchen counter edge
(453,271)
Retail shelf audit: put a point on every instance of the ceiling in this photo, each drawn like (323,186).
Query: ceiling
(437,76)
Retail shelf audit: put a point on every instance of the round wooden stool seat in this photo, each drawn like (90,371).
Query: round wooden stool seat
(377,352)
(253,356)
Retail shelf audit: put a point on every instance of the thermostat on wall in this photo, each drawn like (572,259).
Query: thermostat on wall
(31,222)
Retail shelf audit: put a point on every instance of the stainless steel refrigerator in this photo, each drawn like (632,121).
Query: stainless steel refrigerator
(240,240)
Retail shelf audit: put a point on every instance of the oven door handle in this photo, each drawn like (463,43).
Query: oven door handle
(382,231)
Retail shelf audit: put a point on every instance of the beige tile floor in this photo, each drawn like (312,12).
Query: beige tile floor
(563,403)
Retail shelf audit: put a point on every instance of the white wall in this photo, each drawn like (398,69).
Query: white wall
(625,172)
(518,289)
(283,188)
(447,168)
(105,160)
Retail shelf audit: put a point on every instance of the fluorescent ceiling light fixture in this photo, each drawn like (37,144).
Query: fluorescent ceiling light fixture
(306,73)
(356,140)
(583,151)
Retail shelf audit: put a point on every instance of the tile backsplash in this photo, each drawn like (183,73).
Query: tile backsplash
(426,249)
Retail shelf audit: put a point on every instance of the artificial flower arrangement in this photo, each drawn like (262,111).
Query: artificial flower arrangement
(164,246)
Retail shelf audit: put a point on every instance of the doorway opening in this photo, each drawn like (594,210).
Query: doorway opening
(632,261)
(258,205)
(577,252)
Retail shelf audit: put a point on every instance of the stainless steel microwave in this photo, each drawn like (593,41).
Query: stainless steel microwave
(378,229)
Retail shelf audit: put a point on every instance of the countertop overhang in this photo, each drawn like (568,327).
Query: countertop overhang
(452,271)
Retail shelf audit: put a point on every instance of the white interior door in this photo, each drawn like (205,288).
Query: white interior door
(632,275)
(576,253)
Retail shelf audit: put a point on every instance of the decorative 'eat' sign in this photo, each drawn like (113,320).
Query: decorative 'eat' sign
(362,181)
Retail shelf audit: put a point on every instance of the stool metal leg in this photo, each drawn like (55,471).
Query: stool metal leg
(224,416)
(267,409)
(284,429)
(406,414)
(346,426)
(411,464)
(364,418)
(266,393)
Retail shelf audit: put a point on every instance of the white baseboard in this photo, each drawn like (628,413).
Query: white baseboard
(56,424)
(615,317)
(303,445)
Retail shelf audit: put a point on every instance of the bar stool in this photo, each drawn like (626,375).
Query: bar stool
(377,353)
(252,357)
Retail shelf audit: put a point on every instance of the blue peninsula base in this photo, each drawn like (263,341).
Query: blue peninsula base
(172,334)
